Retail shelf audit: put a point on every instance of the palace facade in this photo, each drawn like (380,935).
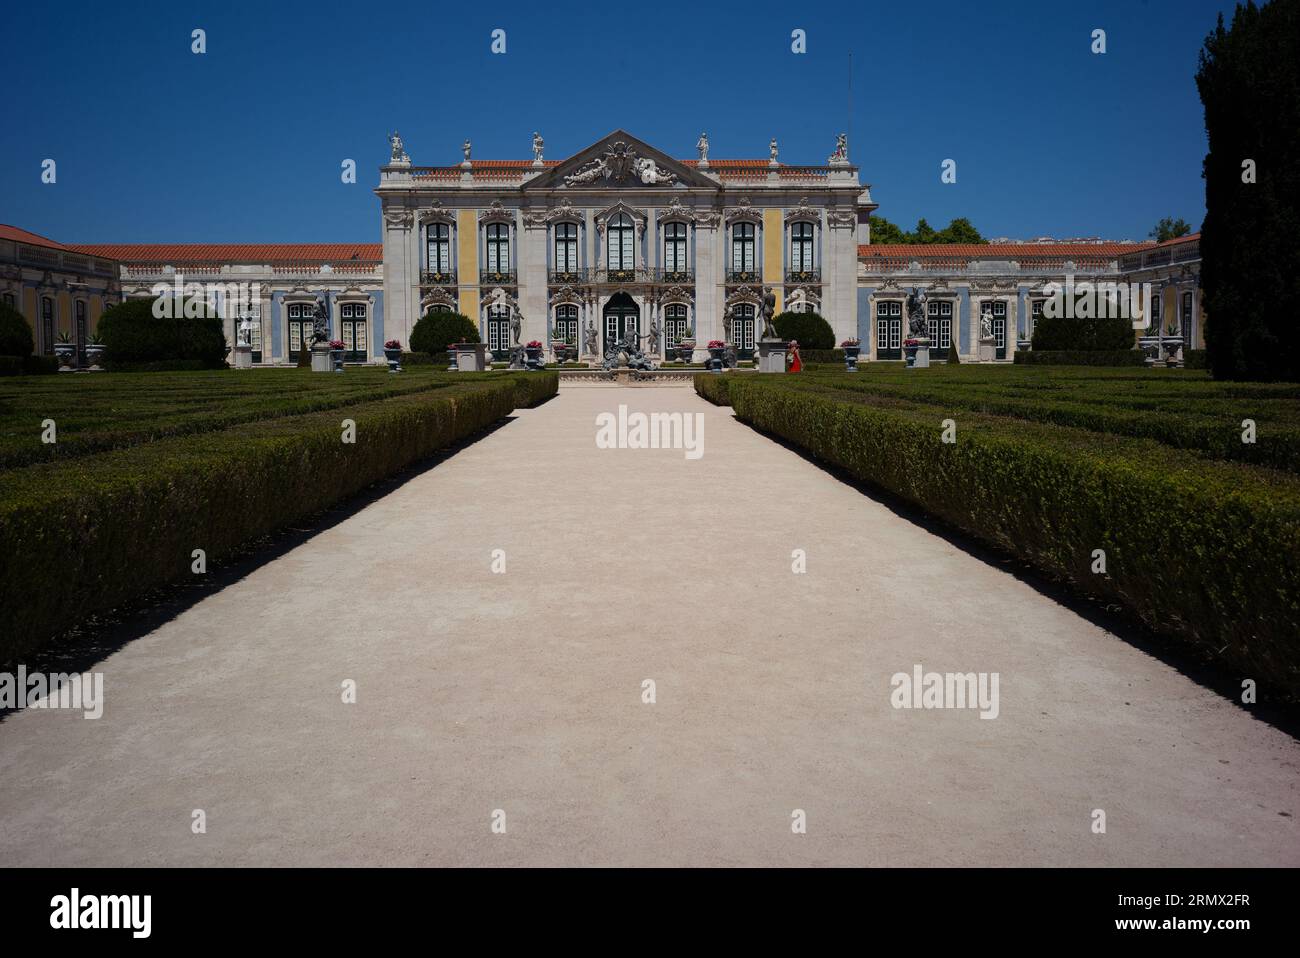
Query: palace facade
(618,239)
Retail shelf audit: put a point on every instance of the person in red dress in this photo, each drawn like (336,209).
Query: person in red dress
(796,365)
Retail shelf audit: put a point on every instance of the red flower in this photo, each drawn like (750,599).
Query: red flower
(716,344)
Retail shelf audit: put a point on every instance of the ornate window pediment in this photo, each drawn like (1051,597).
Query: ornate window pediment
(639,217)
(745,212)
(565,212)
(496,213)
(675,211)
(437,213)
(438,296)
(803,212)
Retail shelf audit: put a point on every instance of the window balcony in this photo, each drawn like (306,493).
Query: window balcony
(680,277)
(446,278)
(489,277)
(743,275)
(624,275)
(803,276)
(563,277)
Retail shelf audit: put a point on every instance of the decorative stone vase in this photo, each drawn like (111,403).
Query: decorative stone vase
(66,354)
(533,357)
(910,353)
(715,358)
(94,353)
(1173,348)
(394,358)
(561,352)
(1024,345)
(851,354)
(336,360)
(686,350)
(1150,346)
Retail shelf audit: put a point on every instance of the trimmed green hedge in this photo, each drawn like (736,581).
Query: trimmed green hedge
(1195,359)
(28,365)
(437,329)
(1201,551)
(15,333)
(134,337)
(1079,357)
(81,537)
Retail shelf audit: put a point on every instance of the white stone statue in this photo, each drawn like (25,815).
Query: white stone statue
(986,323)
(653,336)
(703,146)
(841,154)
(398,151)
(465,148)
(589,334)
(771,149)
(651,174)
(538,145)
(245,331)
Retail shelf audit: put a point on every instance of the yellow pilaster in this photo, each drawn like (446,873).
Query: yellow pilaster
(64,311)
(773,241)
(467,261)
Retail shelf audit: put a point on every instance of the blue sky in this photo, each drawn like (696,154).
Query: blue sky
(244,143)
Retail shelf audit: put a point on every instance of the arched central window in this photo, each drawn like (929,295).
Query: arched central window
(801,248)
(675,248)
(566,323)
(622,239)
(498,330)
(674,323)
(439,249)
(566,248)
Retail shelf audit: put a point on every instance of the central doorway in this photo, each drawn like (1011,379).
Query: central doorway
(622,320)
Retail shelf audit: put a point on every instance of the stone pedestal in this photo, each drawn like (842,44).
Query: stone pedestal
(771,355)
(922,355)
(987,349)
(320,358)
(243,357)
(471,357)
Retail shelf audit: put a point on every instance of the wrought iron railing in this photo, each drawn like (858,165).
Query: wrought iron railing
(562,277)
(437,278)
(496,277)
(743,275)
(803,276)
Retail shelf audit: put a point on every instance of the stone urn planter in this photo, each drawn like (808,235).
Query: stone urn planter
(560,350)
(393,355)
(717,352)
(852,349)
(94,353)
(1150,346)
(909,351)
(686,350)
(336,355)
(1173,349)
(66,354)
(533,355)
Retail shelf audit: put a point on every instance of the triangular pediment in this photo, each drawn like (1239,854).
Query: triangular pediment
(622,162)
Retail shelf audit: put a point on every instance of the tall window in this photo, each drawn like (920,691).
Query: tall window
(498,329)
(439,261)
(675,247)
(566,247)
(889,329)
(1187,320)
(47,325)
(621,238)
(352,318)
(939,325)
(498,248)
(300,326)
(742,328)
(742,248)
(801,247)
(675,323)
(1035,314)
(1157,307)
(566,323)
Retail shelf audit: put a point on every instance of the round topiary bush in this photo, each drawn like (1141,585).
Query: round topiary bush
(436,330)
(133,335)
(1054,333)
(810,329)
(15,334)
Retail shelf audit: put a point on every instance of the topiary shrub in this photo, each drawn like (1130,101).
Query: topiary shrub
(15,335)
(134,336)
(1069,333)
(436,330)
(954,358)
(810,329)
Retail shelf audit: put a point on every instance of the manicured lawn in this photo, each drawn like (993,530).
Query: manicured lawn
(1198,531)
(150,467)
(95,412)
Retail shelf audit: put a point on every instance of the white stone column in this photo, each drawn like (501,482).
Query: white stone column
(532,283)
(708,304)
(401,275)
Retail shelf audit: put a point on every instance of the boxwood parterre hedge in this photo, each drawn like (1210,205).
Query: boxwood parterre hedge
(1201,550)
(82,536)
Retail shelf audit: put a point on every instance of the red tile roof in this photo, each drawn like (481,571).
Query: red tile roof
(18,235)
(958,255)
(273,254)
(1189,238)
